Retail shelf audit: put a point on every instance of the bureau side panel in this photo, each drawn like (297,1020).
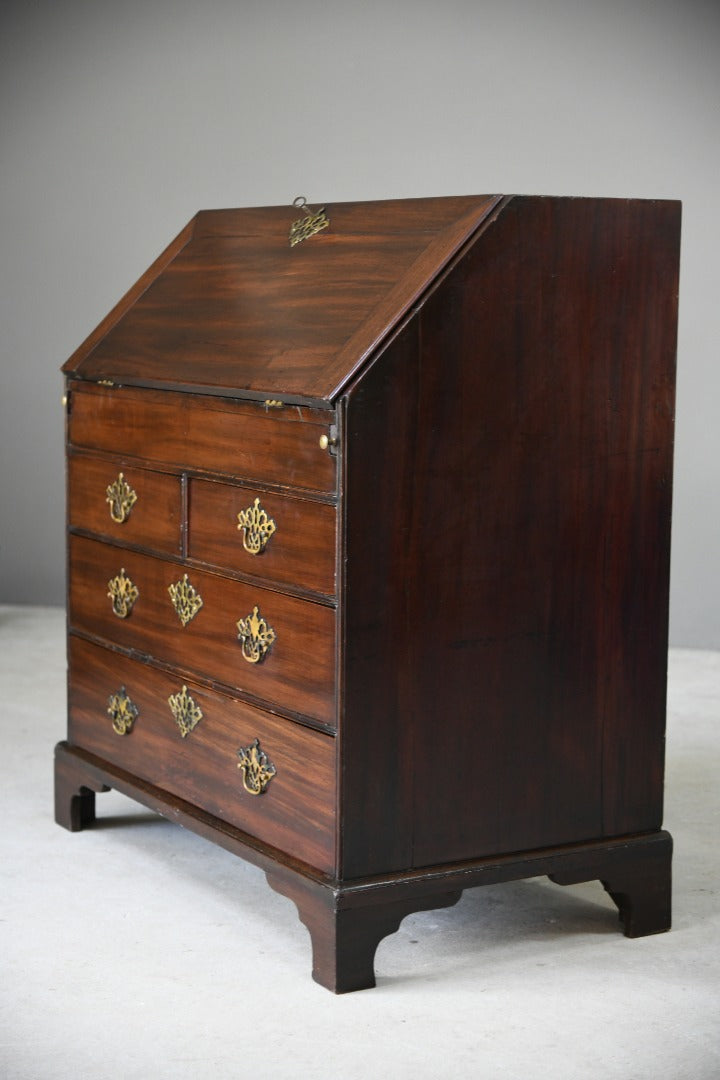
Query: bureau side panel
(376,736)
(540,537)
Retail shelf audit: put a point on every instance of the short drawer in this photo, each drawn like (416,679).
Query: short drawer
(120,709)
(286,540)
(189,431)
(133,505)
(286,659)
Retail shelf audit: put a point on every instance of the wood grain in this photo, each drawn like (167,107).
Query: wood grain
(155,519)
(296,812)
(300,553)
(298,673)
(472,588)
(238,310)
(240,439)
(514,475)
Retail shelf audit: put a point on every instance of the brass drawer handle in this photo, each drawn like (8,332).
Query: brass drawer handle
(257,769)
(121,499)
(123,594)
(256,636)
(257,528)
(186,711)
(122,712)
(186,600)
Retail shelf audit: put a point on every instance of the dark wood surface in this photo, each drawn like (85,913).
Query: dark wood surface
(238,310)
(300,553)
(298,671)
(514,474)
(549,395)
(295,813)
(377,720)
(240,439)
(347,920)
(155,519)
(498,376)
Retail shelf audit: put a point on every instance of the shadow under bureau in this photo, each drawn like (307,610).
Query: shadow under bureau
(368,551)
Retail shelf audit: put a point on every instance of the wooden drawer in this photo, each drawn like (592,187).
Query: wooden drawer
(295,544)
(297,673)
(242,439)
(146,509)
(294,813)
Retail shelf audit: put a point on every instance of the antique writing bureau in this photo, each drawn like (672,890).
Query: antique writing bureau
(368,514)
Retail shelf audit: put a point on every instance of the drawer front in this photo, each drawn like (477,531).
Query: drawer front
(295,812)
(295,670)
(187,431)
(286,540)
(133,505)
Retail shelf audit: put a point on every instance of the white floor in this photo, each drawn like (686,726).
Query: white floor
(137,950)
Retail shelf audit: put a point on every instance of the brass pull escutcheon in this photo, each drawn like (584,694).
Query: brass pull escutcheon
(256,636)
(186,711)
(121,499)
(186,600)
(257,769)
(314,221)
(257,528)
(122,712)
(123,594)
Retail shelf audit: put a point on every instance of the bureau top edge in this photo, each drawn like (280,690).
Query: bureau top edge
(264,399)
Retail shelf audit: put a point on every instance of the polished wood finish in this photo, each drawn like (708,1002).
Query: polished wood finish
(344,939)
(297,673)
(238,311)
(346,920)
(155,520)
(516,443)
(295,813)
(300,553)
(248,441)
(470,470)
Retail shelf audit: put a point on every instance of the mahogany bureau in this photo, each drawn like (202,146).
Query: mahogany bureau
(369,521)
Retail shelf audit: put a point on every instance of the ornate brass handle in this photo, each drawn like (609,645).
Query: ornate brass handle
(121,499)
(257,769)
(122,711)
(186,600)
(123,594)
(256,636)
(257,528)
(186,711)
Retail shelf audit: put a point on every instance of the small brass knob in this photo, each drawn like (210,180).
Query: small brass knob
(327,441)
(64,401)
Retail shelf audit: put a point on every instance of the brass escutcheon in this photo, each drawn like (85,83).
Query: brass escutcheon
(122,712)
(257,769)
(305,227)
(123,594)
(121,499)
(257,528)
(186,711)
(256,636)
(186,600)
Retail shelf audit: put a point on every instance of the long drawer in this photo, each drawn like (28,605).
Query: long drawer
(120,709)
(277,648)
(240,439)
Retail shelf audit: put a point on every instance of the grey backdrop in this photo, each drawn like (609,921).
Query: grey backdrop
(118,120)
